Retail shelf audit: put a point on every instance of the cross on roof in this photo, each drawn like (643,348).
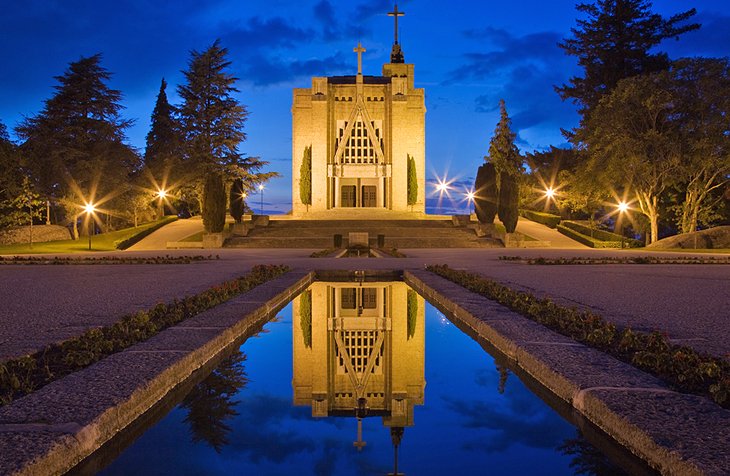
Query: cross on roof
(359,50)
(396,13)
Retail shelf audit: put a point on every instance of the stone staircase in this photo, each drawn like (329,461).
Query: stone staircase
(398,234)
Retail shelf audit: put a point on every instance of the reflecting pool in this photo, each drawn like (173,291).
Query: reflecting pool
(359,379)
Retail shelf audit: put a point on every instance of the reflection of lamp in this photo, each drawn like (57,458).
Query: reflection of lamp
(360,412)
(396,435)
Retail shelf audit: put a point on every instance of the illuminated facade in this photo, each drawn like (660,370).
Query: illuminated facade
(361,130)
(359,351)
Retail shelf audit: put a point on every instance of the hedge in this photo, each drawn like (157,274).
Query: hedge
(681,367)
(600,235)
(547,219)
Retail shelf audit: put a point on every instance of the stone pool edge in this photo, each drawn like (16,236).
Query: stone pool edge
(53,429)
(675,433)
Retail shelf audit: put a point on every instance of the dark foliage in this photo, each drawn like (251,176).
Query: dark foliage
(163,145)
(214,203)
(237,205)
(617,40)
(509,197)
(486,195)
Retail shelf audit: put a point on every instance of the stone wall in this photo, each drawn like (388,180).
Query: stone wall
(41,233)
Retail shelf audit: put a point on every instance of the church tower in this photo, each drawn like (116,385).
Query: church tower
(362,130)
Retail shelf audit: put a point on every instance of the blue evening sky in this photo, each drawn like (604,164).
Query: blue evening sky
(468,55)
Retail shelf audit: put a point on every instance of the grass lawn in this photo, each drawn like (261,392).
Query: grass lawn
(101,242)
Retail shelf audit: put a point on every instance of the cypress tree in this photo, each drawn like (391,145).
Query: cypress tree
(486,195)
(509,195)
(214,203)
(412,182)
(236,202)
(305,177)
(503,152)
(163,144)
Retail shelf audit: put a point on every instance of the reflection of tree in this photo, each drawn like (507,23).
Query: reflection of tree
(503,374)
(305,317)
(412,311)
(210,403)
(587,459)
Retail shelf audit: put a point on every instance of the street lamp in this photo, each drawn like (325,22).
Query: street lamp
(622,208)
(549,193)
(261,189)
(89,209)
(469,199)
(161,194)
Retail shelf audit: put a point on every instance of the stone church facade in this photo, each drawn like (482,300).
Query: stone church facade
(362,130)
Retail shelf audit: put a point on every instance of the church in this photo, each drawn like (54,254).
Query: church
(361,133)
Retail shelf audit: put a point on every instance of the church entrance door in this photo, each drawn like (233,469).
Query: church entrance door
(348,196)
(369,196)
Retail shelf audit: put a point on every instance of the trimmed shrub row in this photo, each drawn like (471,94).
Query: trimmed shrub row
(681,367)
(167,259)
(620,260)
(124,244)
(26,374)
(547,219)
(600,235)
(593,242)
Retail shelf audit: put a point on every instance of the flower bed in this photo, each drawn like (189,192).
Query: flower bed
(681,367)
(167,259)
(620,260)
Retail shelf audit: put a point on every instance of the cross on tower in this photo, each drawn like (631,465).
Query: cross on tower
(359,50)
(396,13)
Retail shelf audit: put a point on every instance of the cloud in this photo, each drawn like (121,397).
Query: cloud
(520,419)
(265,71)
(266,34)
(524,70)
(712,39)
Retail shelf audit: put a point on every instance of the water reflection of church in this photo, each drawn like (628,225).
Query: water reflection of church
(359,352)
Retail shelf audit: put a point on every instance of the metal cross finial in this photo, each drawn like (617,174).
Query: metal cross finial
(396,13)
(359,50)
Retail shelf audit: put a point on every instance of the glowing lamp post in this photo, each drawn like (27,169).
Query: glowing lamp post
(469,199)
(161,194)
(549,193)
(89,209)
(261,189)
(623,207)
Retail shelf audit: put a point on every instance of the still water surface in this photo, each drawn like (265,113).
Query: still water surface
(430,389)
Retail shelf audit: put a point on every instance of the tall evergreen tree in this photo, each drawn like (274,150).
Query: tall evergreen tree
(503,152)
(305,177)
(212,119)
(616,40)
(412,182)
(10,173)
(163,145)
(486,194)
(75,145)
(214,203)
(237,203)
(509,197)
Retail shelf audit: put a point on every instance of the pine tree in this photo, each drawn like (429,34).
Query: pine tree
(509,196)
(212,119)
(412,182)
(10,172)
(163,145)
(617,41)
(486,194)
(503,152)
(214,203)
(305,178)
(236,200)
(75,145)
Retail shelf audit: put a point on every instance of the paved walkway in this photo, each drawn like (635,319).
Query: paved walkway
(543,233)
(175,231)
(44,304)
